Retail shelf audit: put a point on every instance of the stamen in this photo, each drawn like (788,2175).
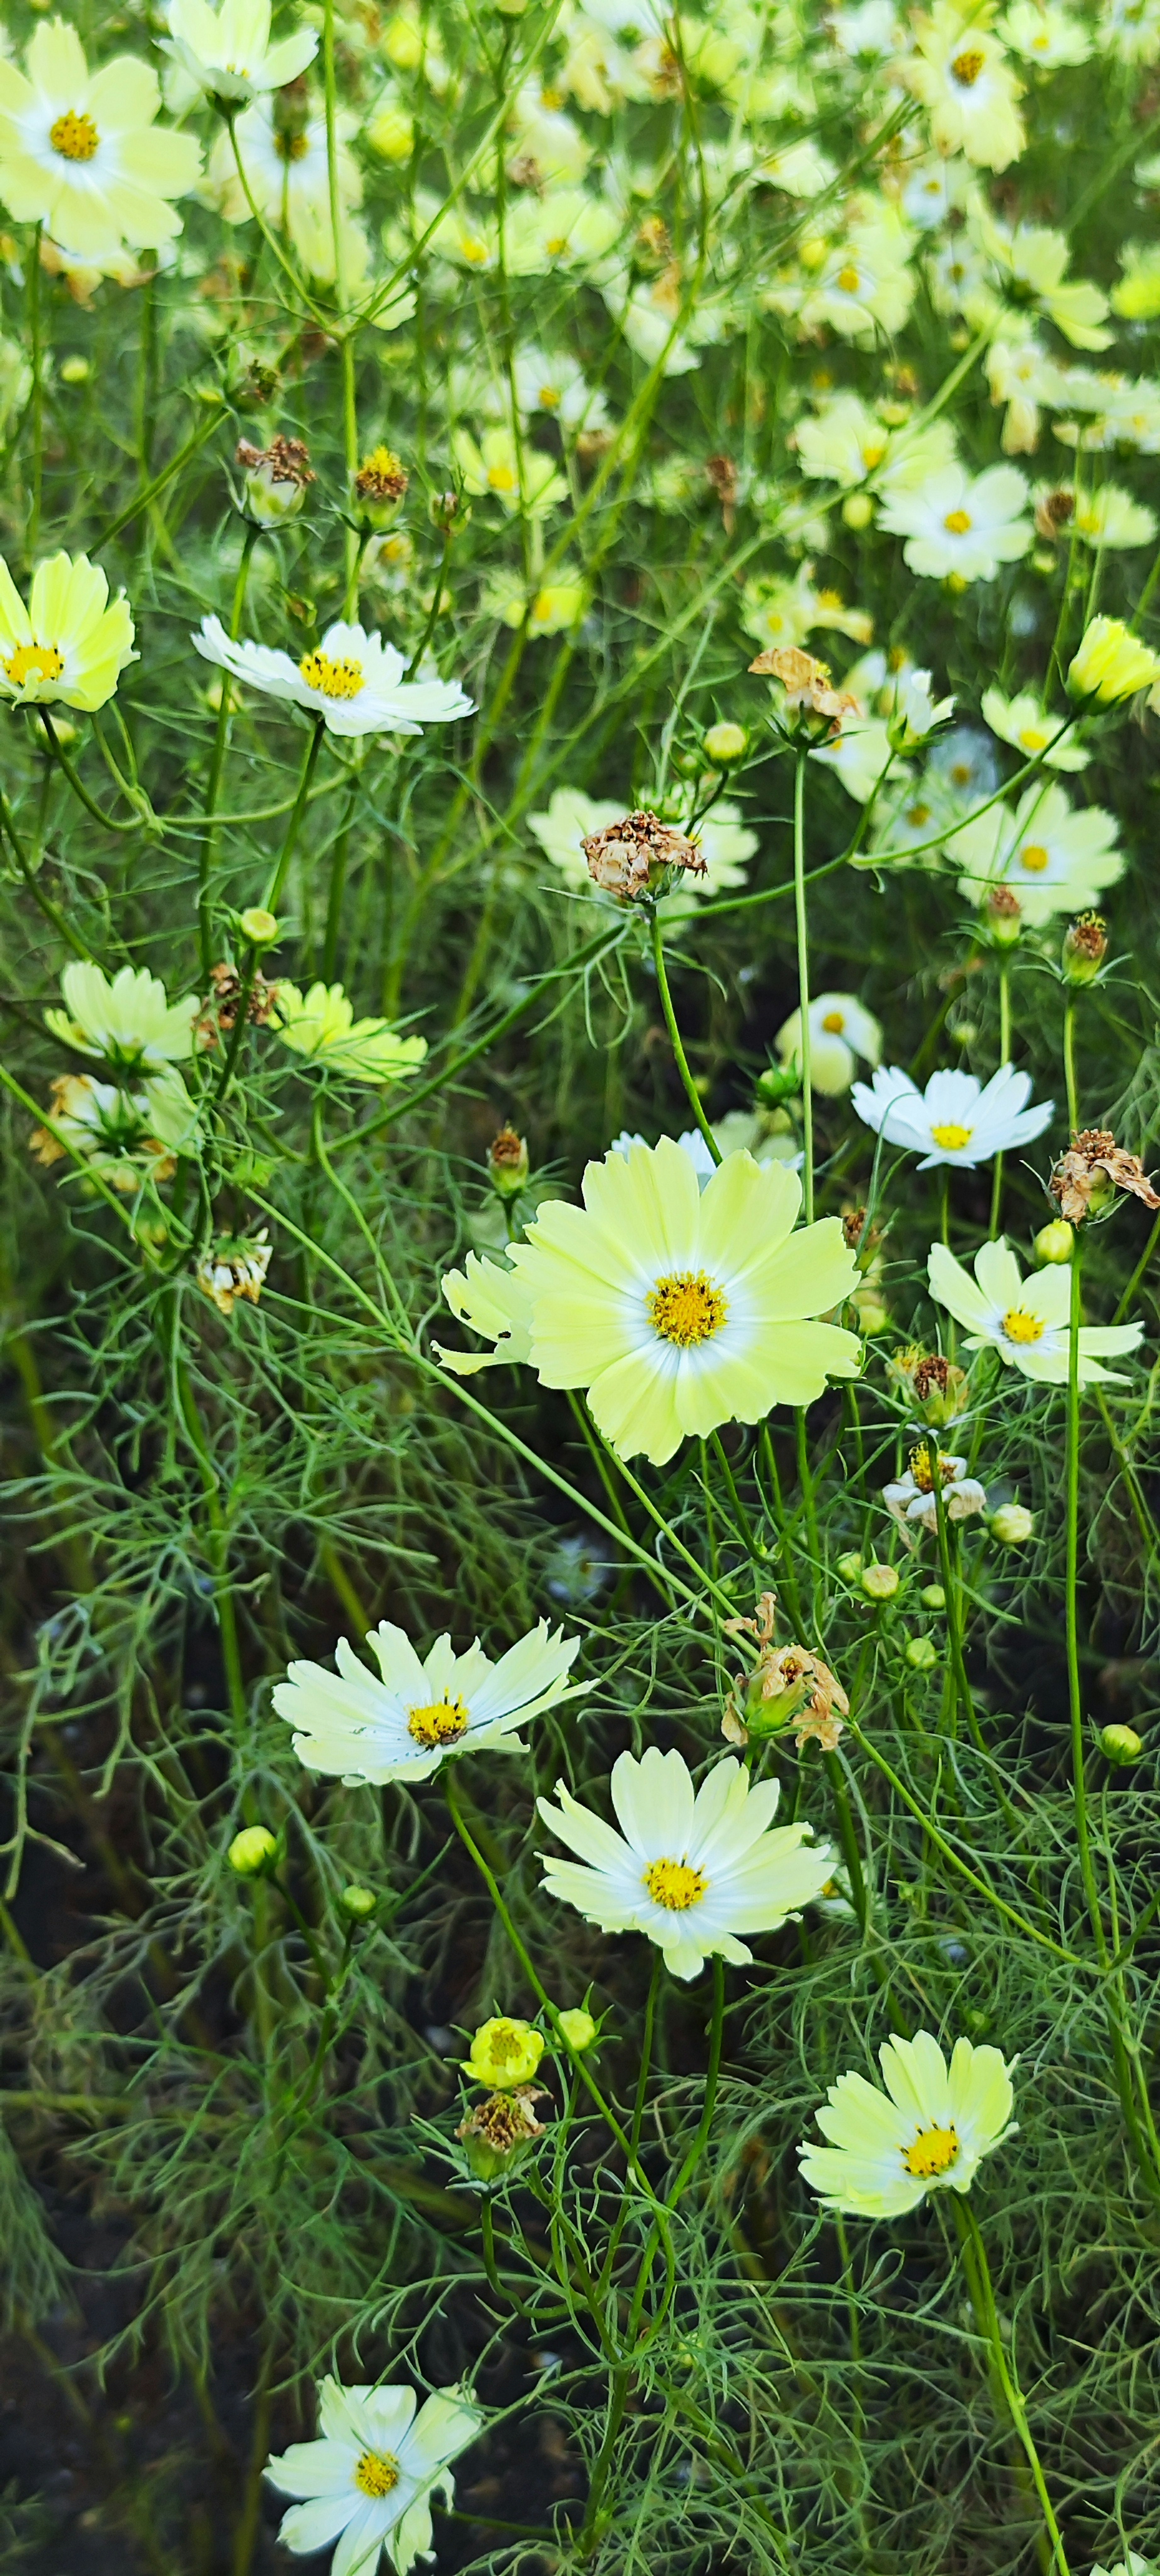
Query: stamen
(34,661)
(957,522)
(74,137)
(932,2152)
(442,1721)
(686,1308)
(332,679)
(675,1884)
(951,1138)
(1019,1326)
(377,2473)
(1034,858)
(967,67)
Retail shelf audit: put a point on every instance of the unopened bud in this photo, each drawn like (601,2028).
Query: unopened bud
(921,1654)
(725,743)
(449,512)
(578,2028)
(879,1582)
(358,1902)
(779,1082)
(1085,946)
(933,1597)
(1055,1242)
(259,926)
(1121,1744)
(253,1851)
(857,510)
(1012,1524)
(1004,916)
(849,1566)
(75,371)
(507,1163)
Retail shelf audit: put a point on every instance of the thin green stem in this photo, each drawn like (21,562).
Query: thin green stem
(217,761)
(675,1040)
(983,2299)
(803,963)
(278,876)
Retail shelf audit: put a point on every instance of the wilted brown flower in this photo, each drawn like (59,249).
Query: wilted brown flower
(235,1268)
(500,2130)
(221,1007)
(853,1226)
(629,858)
(285,460)
(382,478)
(936,1388)
(1093,1167)
(806,683)
(1053,512)
(721,474)
(1085,946)
(507,1162)
(786,1686)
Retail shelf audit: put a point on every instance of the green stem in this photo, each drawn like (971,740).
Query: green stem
(52,912)
(1071,1613)
(682,1062)
(278,878)
(983,2300)
(1069,1064)
(803,958)
(36,356)
(217,760)
(149,491)
(1004,1058)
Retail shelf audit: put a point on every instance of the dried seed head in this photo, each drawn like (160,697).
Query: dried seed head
(1085,946)
(632,857)
(1053,512)
(507,1162)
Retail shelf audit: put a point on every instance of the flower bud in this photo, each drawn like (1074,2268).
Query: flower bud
(275,480)
(379,488)
(75,371)
(1055,1242)
(1085,946)
(1003,916)
(725,743)
(857,510)
(921,1654)
(849,1566)
(505,2054)
(1111,663)
(391,133)
(933,1597)
(1012,1524)
(253,1851)
(358,1902)
(578,2028)
(259,926)
(507,1163)
(1121,1744)
(449,512)
(778,1083)
(500,2132)
(880,1582)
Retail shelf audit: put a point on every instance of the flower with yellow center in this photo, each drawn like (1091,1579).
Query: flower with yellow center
(960,524)
(1025,1320)
(957,1119)
(321,1027)
(841,1030)
(1053,857)
(79,152)
(367,2483)
(960,72)
(70,644)
(228,52)
(691,1871)
(912,1501)
(930,2129)
(353,680)
(679,1309)
(356,1727)
(505,2053)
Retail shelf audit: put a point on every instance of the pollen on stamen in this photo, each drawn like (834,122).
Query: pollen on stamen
(931,2153)
(332,678)
(675,1884)
(686,1308)
(442,1721)
(377,2474)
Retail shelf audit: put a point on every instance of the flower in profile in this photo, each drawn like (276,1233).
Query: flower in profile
(841,1030)
(351,679)
(321,1026)
(1111,663)
(957,1119)
(359,1728)
(77,152)
(504,2053)
(368,2481)
(130,1022)
(124,1136)
(637,854)
(912,1500)
(69,645)
(962,76)
(275,479)
(236,1267)
(228,52)
(1086,1178)
(1025,724)
(691,1872)
(929,2130)
(960,525)
(786,1686)
(1025,1320)
(678,1308)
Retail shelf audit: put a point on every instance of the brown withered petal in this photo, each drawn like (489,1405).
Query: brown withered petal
(627,857)
(382,476)
(222,1004)
(1094,1158)
(505,2120)
(287,460)
(806,682)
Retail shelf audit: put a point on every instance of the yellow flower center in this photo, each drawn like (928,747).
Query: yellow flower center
(74,137)
(918,815)
(474,250)
(291,147)
(920,1468)
(931,2152)
(957,522)
(377,2473)
(952,1138)
(849,280)
(1032,738)
(557,244)
(1034,858)
(439,1723)
(34,662)
(967,67)
(675,1884)
(505,2044)
(549,398)
(1019,1326)
(686,1308)
(834,1023)
(334,679)
(501,478)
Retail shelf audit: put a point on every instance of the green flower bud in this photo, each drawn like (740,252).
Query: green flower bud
(880,1582)
(75,371)
(578,2027)
(253,1851)
(857,510)
(358,1902)
(933,1597)
(259,926)
(849,1566)
(1121,1744)
(507,1163)
(725,743)
(1012,1524)
(1085,946)
(921,1654)
(1055,1242)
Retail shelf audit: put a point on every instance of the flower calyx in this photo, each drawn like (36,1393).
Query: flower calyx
(499,2132)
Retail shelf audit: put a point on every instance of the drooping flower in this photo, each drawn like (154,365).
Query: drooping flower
(1025,1320)
(321,1025)
(1111,663)
(124,1136)
(228,52)
(70,644)
(79,152)
(236,1267)
(962,525)
(911,1498)
(356,1727)
(1086,1178)
(368,2481)
(692,1872)
(957,1119)
(488,1297)
(786,1686)
(929,2130)
(353,680)
(129,1022)
(678,1309)
(841,1030)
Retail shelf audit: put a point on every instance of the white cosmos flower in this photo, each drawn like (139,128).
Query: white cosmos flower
(353,680)
(367,2483)
(1044,34)
(957,1119)
(228,51)
(930,2130)
(1025,1320)
(962,524)
(1053,859)
(487,1296)
(1023,723)
(129,1021)
(911,1500)
(357,1728)
(691,1872)
(841,1030)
